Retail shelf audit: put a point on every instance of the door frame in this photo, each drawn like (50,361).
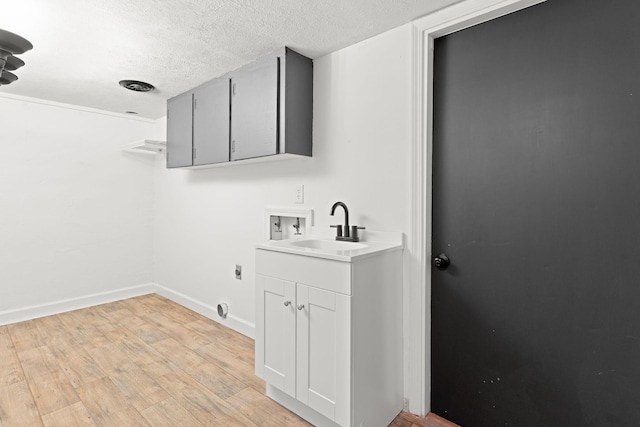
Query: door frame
(425,30)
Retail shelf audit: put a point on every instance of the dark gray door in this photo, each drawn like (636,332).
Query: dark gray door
(536,189)
(211,123)
(254,110)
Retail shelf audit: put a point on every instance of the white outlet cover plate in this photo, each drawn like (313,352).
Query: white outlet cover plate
(299,194)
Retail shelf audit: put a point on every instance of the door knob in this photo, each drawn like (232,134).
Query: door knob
(287,303)
(441,262)
(300,306)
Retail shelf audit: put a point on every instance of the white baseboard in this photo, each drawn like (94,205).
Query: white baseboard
(231,321)
(35,311)
(61,306)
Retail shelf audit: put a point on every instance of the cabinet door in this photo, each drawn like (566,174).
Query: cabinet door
(323,352)
(179,125)
(254,110)
(211,123)
(276,333)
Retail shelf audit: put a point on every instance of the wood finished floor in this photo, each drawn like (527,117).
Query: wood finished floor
(144,361)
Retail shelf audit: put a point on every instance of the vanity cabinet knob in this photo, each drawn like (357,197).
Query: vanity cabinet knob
(287,303)
(300,306)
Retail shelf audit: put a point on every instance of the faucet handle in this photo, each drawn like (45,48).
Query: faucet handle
(354,232)
(339,227)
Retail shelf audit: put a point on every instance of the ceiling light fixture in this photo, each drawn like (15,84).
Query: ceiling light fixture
(136,86)
(11,44)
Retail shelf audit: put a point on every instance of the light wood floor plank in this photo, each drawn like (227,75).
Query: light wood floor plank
(149,333)
(10,368)
(108,406)
(180,315)
(75,415)
(264,412)
(169,413)
(208,328)
(80,326)
(17,407)
(216,379)
(75,361)
(203,404)
(177,354)
(140,305)
(124,316)
(141,390)
(90,316)
(144,330)
(50,387)
(50,326)
(241,345)
(187,337)
(159,304)
(231,362)
(25,336)
(141,353)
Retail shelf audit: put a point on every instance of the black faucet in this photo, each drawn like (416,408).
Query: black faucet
(349,236)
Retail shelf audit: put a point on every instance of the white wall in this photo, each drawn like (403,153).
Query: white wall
(209,220)
(75,212)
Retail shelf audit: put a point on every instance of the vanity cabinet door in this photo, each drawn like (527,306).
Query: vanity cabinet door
(276,332)
(211,123)
(179,136)
(323,352)
(254,110)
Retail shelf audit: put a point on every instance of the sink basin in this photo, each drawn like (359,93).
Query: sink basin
(328,248)
(328,245)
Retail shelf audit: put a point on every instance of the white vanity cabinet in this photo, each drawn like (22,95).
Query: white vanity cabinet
(329,336)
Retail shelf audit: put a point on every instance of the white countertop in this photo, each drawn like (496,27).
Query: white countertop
(331,249)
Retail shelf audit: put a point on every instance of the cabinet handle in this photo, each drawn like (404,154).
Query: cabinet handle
(287,303)
(300,306)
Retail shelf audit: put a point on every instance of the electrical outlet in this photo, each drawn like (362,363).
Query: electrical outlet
(238,272)
(300,194)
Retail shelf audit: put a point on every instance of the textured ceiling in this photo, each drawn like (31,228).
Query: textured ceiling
(82,48)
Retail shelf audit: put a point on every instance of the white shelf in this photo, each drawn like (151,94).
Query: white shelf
(145,146)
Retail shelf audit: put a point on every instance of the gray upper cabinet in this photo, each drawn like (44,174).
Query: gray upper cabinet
(264,109)
(179,124)
(254,110)
(296,103)
(211,123)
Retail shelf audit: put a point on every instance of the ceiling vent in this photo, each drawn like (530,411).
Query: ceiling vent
(136,85)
